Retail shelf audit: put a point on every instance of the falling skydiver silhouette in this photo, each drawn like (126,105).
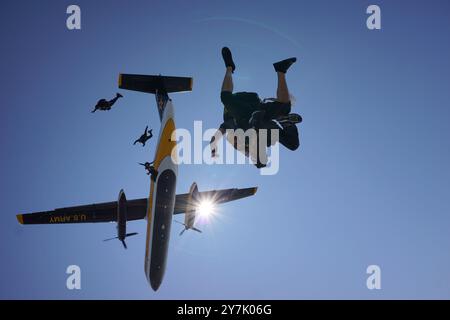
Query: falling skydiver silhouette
(105,105)
(151,171)
(144,137)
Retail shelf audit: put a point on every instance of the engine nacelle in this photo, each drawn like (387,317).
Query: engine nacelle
(191,206)
(122,216)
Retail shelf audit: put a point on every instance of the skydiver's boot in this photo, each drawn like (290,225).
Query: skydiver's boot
(283,65)
(118,95)
(292,118)
(260,165)
(228,58)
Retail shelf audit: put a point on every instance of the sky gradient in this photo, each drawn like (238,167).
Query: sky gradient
(370,183)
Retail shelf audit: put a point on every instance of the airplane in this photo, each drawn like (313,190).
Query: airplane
(162,202)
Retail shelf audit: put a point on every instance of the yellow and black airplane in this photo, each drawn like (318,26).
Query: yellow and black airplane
(163,202)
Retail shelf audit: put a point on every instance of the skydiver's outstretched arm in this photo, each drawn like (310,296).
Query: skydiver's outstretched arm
(146,128)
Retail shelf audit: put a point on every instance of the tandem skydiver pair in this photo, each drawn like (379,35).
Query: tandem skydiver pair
(246,110)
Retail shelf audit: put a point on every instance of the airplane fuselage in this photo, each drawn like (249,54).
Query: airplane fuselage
(161,201)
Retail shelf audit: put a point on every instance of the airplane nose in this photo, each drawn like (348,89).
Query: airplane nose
(155,283)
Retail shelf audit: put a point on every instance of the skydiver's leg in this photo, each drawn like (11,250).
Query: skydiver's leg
(111,102)
(282,89)
(282,105)
(227,84)
(154,174)
(136,142)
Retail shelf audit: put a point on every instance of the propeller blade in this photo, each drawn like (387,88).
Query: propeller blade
(124,244)
(195,229)
(180,222)
(111,239)
(182,231)
(131,234)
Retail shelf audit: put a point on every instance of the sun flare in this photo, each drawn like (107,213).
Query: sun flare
(205,208)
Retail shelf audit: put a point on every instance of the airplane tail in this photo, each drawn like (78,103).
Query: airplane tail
(157,85)
(153,84)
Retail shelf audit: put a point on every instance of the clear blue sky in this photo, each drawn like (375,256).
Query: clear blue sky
(369,185)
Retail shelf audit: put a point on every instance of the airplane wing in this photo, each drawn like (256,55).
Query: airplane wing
(100,212)
(136,209)
(216,196)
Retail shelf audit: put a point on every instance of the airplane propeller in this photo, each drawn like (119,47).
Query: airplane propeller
(186,228)
(123,240)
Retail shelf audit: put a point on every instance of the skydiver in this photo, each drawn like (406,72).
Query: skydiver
(145,137)
(245,110)
(104,104)
(150,170)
